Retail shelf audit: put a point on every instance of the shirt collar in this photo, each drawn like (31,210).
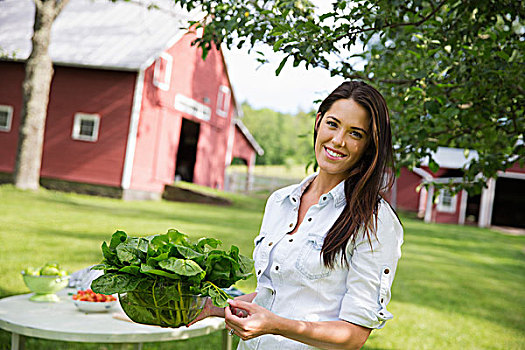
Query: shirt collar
(338,194)
(294,193)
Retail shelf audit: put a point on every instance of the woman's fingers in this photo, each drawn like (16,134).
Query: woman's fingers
(231,319)
(228,312)
(239,312)
(243,305)
(240,320)
(255,319)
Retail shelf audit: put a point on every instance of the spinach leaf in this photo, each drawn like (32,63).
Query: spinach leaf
(217,295)
(184,267)
(245,267)
(143,244)
(111,283)
(157,272)
(189,253)
(176,237)
(110,256)
(154,260)
(134,270)
(159,241)
(117,238)
(104,266)
(219,267)
(128,254)
(148,269)
(212,242)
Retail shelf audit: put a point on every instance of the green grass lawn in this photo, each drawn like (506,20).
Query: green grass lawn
(297,171)
(457,287)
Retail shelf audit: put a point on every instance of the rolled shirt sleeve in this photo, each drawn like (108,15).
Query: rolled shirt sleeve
(371,272)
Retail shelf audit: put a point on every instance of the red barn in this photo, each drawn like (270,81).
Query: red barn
(500,203)
(132,104)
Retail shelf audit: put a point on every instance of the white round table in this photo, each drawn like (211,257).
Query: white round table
(63,321)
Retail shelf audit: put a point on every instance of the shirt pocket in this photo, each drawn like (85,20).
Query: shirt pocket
(310,263)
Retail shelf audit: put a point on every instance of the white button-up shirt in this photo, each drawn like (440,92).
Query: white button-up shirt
(292,280)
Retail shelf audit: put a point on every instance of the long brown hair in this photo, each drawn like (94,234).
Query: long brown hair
(371,176)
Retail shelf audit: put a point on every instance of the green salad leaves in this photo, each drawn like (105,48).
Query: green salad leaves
(133,264)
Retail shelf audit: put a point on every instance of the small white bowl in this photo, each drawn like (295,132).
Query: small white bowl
(93,306)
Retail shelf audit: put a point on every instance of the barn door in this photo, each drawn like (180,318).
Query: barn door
(187,152)
(509,201)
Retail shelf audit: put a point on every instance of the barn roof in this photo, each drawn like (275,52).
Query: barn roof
(244,130)
(97,33)
(452,158)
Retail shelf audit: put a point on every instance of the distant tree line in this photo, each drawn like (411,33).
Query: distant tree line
(287,139)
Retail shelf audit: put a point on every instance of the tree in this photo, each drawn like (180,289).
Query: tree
(285,138)
(36,86)
(451,70)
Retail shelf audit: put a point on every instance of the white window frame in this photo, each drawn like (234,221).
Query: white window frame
(9,110)
(190,106)
(447,208)
(223,101)
(79,117)
(163,84)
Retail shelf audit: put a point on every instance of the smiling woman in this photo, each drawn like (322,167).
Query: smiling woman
(328,247)
(342,138)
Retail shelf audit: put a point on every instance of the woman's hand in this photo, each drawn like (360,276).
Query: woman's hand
(212,310)
(249,320)
(254,321)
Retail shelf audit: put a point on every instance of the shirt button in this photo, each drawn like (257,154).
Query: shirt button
(290,240)
(324,198)
(291,225)
(270,244)
(387,271)
(259,272)
(293,199)
(309,219)
(277,268)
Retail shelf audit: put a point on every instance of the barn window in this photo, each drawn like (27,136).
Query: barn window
(85,127)
(6,117)
(162,71)
(192,107)
(223,101)
(446,201)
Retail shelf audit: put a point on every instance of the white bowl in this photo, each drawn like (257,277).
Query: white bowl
(93,306)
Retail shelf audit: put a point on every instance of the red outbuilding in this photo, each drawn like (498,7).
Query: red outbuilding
(501,203)
(132,104)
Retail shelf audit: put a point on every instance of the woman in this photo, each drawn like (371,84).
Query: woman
(328,248)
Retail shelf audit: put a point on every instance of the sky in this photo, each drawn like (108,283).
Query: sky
(293,90)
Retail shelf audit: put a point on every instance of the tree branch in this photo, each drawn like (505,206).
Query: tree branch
(455,133)
(38,3)
(394,25)
(60,4)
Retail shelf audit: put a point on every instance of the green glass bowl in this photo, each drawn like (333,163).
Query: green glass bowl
(45,287)
(173,312)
